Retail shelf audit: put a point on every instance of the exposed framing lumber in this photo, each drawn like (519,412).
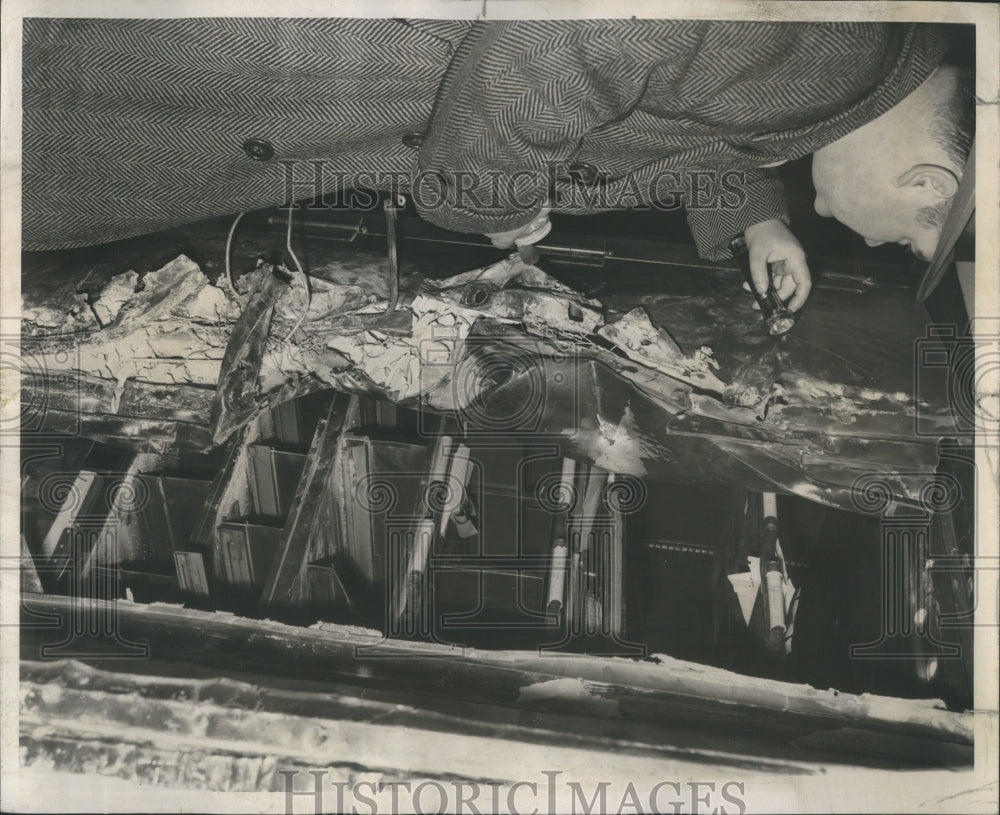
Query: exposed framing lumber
(283,587)
(227,488)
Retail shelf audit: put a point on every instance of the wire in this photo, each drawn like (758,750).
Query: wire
(229,246)
(302,274)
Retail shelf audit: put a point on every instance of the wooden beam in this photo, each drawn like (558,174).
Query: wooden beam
(229,486)
(116,527)
(284,585)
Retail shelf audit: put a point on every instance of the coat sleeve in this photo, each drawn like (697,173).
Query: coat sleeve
(758,195)
(517,100)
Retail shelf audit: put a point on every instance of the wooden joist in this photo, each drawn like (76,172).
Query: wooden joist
(284,585)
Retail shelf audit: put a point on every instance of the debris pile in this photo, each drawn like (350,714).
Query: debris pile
(172,326)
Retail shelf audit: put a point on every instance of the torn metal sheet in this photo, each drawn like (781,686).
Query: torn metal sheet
(654,348)
(172,330)
(512,291)
(644,393)
(849,367)
(585,403)
(175,328)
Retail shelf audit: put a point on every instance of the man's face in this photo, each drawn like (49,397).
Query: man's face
(876,209)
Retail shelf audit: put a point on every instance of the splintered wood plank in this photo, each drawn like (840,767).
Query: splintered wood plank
(117,541)
(459,473)
(230,489)
(66,516)
(595,480)
(30,580)
(191,575)
(285,584)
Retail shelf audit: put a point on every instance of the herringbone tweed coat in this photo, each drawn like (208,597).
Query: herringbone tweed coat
(132,126)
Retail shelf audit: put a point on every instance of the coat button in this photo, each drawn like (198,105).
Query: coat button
(413,139)
(582,173)
(258,149)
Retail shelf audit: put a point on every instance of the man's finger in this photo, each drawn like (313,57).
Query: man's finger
(784,285)
(798,270)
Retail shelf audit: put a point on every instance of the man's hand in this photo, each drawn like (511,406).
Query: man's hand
(771,242)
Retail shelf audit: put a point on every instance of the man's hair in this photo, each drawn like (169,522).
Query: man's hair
(953,127)
(954,122)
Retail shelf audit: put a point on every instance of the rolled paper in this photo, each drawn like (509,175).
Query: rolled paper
(770,505)
(557,580)
(775,595)
(423,534)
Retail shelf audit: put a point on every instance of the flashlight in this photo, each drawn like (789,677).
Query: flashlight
(778,319)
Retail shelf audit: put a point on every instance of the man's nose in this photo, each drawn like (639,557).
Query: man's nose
(821,208)
(870,242)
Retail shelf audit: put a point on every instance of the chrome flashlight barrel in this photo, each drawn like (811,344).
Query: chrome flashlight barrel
(778,319)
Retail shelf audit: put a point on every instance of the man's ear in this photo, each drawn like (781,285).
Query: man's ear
(937,180)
